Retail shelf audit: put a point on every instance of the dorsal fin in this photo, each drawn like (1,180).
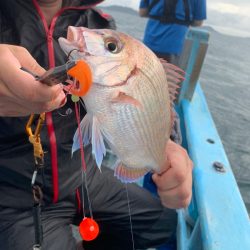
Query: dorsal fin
(175,76)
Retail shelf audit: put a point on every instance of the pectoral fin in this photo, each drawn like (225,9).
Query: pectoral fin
(91,131)
(126,99)
(98,146)
(175,77)
(128,175)
(86,130)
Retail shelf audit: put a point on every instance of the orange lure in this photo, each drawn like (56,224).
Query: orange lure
(82,73)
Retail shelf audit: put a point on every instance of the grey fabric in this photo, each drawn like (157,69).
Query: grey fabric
(17,229)
(152,224)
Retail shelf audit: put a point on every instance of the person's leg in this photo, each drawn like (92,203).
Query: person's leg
(17,228)
(152,225)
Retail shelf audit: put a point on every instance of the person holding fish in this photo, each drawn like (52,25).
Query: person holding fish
(33,28)
(168,24)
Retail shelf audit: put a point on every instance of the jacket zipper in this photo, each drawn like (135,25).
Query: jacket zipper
(49,119)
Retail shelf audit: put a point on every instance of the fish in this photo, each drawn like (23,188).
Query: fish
(129,105)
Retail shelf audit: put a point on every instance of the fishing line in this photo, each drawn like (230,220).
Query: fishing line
(83,104)
(83,200)
(87,190)
(130,218)
(69,54)
(84,177)
(69,110)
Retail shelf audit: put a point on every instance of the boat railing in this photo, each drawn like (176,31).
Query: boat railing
(191,61)
(217,218)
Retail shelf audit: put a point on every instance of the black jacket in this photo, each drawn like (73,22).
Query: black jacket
(21,24)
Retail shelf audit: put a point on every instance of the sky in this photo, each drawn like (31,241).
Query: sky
(230,16)
(227,16)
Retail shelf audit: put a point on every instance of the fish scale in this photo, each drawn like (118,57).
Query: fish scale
(141,124)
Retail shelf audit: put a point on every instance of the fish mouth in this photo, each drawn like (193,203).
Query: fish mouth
(74,41)
(75,35)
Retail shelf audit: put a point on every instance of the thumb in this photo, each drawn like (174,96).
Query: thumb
(26,60)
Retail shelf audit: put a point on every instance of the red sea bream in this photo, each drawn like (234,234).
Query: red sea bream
(128,105)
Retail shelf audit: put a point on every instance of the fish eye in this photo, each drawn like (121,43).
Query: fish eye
(112,46)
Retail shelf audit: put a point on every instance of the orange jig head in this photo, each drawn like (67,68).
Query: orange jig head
(88,229)
(81,71)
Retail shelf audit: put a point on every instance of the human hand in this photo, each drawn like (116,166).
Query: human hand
(174,185)
(20,93)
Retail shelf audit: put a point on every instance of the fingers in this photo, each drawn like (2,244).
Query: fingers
(33,90)
(9,107)
(39,107)
(180,196)
(20,87)
(175,184)
(173,201)
(25,87)
(26,60)
(22,84)
(177,159)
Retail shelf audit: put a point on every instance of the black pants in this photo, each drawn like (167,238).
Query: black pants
(152,224)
